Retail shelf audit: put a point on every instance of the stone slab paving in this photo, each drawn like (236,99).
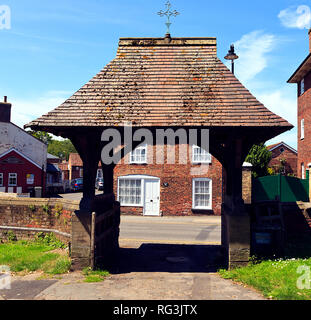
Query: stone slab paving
(151,286)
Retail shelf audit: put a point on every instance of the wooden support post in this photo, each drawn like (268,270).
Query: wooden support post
(235,220)
(89,148)
(93,239)
(108,178)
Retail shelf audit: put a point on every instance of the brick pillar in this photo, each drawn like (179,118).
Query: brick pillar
(247,182)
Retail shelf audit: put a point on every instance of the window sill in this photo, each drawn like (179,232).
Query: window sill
(200,163)
(139,163)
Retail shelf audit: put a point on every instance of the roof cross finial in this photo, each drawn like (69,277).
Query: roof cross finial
(168,13)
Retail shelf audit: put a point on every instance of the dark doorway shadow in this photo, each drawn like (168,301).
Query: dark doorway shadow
(173,258)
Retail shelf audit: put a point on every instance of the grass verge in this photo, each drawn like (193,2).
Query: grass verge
(286,278)
(36,255)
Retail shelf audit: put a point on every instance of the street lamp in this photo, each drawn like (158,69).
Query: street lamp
(231,56)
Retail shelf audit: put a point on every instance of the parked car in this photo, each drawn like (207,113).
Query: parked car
(77,184)
(99,184)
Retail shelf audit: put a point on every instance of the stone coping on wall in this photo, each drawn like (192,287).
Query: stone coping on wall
(64,234)
(67,204)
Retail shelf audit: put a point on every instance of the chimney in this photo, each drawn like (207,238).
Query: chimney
(5,110)
(309,32)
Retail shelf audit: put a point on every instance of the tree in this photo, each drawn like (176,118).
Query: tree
(61,149)
(58,148)
(260,157)
(42,135)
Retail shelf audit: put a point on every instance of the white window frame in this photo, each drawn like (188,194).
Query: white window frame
(1,179)
(302,86)
(9,184)
(302,129)
(209,159)
(133,155)
(210,206)
(141,204)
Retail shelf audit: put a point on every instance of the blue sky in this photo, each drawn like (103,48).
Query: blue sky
(55,47)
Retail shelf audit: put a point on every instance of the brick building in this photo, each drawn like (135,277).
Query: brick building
(284,159)
(144,187)
(302,76)
(23,158)
(174,189)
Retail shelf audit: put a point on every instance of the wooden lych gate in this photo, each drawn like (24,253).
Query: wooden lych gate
(169,83)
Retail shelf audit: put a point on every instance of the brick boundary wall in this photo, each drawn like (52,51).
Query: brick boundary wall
(28,216)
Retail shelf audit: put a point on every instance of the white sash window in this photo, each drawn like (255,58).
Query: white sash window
(202,193)
(130,192)
(199,155)
(139,155)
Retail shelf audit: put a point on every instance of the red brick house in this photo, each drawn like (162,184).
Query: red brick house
(23,158)
(284,159)
(18,173)
(146,188)
(302,76)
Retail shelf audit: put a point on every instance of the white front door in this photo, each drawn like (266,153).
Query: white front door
(152,197)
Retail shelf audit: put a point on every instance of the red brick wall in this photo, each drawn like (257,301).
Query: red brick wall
(176,199)
(290,157)
(32,213)
(304,112)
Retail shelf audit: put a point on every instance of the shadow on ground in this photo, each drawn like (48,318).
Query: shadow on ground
(167,258)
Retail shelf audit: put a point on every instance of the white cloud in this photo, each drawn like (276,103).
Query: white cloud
(24,111)
(283,102)
(252,49)
(293,17)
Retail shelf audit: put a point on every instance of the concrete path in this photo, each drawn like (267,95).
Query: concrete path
(142,272)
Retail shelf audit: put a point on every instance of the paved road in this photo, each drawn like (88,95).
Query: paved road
(179,230)
(182,230)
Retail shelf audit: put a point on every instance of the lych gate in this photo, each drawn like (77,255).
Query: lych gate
(161,83)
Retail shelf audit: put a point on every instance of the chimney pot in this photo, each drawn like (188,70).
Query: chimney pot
(5,99)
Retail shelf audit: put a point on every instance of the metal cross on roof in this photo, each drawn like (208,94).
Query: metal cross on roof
(168,13)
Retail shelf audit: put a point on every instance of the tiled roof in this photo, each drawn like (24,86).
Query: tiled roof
(283,144)
(157,82)
(301,71)
(75,160)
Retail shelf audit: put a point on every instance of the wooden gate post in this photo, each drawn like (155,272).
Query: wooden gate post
(81,240)
(235,221)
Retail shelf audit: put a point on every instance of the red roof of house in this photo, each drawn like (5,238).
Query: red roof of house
(283,144)
(76,161)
